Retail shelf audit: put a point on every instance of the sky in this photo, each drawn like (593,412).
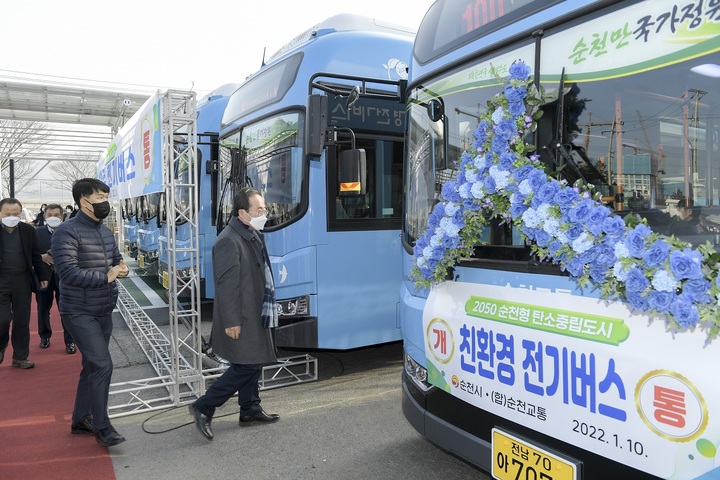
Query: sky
(144,45)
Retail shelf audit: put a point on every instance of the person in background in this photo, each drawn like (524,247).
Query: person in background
(53,217)
(21,272)
(688,223)
(70,211)
(243,314)
(88,263)
(40,218)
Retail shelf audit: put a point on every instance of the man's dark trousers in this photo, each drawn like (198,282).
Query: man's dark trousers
(15,298)
(45,300)
(237,378)
(92,337)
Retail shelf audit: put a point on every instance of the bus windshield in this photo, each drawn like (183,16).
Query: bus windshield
(647,139)
(272,161)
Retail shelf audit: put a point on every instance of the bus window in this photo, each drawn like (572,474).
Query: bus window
(272,153)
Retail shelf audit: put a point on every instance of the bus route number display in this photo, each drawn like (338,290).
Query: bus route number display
(514,459)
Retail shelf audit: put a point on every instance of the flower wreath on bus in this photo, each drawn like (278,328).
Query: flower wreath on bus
(499,176)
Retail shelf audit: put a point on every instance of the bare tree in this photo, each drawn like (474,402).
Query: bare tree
(18,140)
(84,165)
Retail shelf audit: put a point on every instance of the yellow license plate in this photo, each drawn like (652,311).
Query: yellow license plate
(166,280)
(514,458)
(141,261)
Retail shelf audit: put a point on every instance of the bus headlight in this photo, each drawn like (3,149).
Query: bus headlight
(293,307)
(417,373)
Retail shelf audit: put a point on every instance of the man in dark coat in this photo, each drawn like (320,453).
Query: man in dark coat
(243,314)
(52,218)
(21,268)
(88,262)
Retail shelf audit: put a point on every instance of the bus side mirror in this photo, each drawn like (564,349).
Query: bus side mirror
(352,173)
(316,124)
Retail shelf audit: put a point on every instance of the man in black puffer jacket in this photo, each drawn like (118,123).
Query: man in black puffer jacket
(88,262)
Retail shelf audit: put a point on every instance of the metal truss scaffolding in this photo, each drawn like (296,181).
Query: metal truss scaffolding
(178,361)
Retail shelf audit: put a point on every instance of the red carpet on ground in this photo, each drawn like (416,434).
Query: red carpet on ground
(35,414)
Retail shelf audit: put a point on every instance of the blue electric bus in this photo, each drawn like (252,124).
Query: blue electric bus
(511,362)
(150,229)
(210,110)
(329,165)
(130,226)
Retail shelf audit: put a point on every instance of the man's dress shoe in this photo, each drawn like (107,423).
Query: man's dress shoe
(44,342)
(246,420)
(70,348)
(108,437)
(23,363)
(84,426)
(202,422)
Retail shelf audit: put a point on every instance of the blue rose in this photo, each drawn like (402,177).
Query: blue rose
(575,267)
(506,161)
(614,226)
(589,255)
(660,301)
(598,273)
(635,242)
(656,254)
(530,232)
(523,172)
(580,212)
(517,109)
(449,192)
(506,130)
(554,246)
(637,301)
(574,231)
(684,311)
(437,214)
(697,288)
(515,94)
(517,209)
(499,145)
(542,238)
(566,197)
(450,242)
(471,205)
(489,184)
(481,132)
(546,193)
(458,218)
(636,281)
(519,71)
(537,179)
(595,219)
(686,264)
(605,255)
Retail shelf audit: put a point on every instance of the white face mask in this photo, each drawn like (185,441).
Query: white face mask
(53,222)
(258,223)
(10,221)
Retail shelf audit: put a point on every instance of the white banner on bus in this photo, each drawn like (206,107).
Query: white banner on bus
(581,370)
(132,165)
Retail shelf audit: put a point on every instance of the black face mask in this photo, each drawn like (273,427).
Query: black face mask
(101,209)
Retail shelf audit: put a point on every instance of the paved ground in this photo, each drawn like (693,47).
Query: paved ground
(347,425)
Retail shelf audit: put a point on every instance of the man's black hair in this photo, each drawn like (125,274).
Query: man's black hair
(86,187)
(241,201)
(10,201)
(54,206)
